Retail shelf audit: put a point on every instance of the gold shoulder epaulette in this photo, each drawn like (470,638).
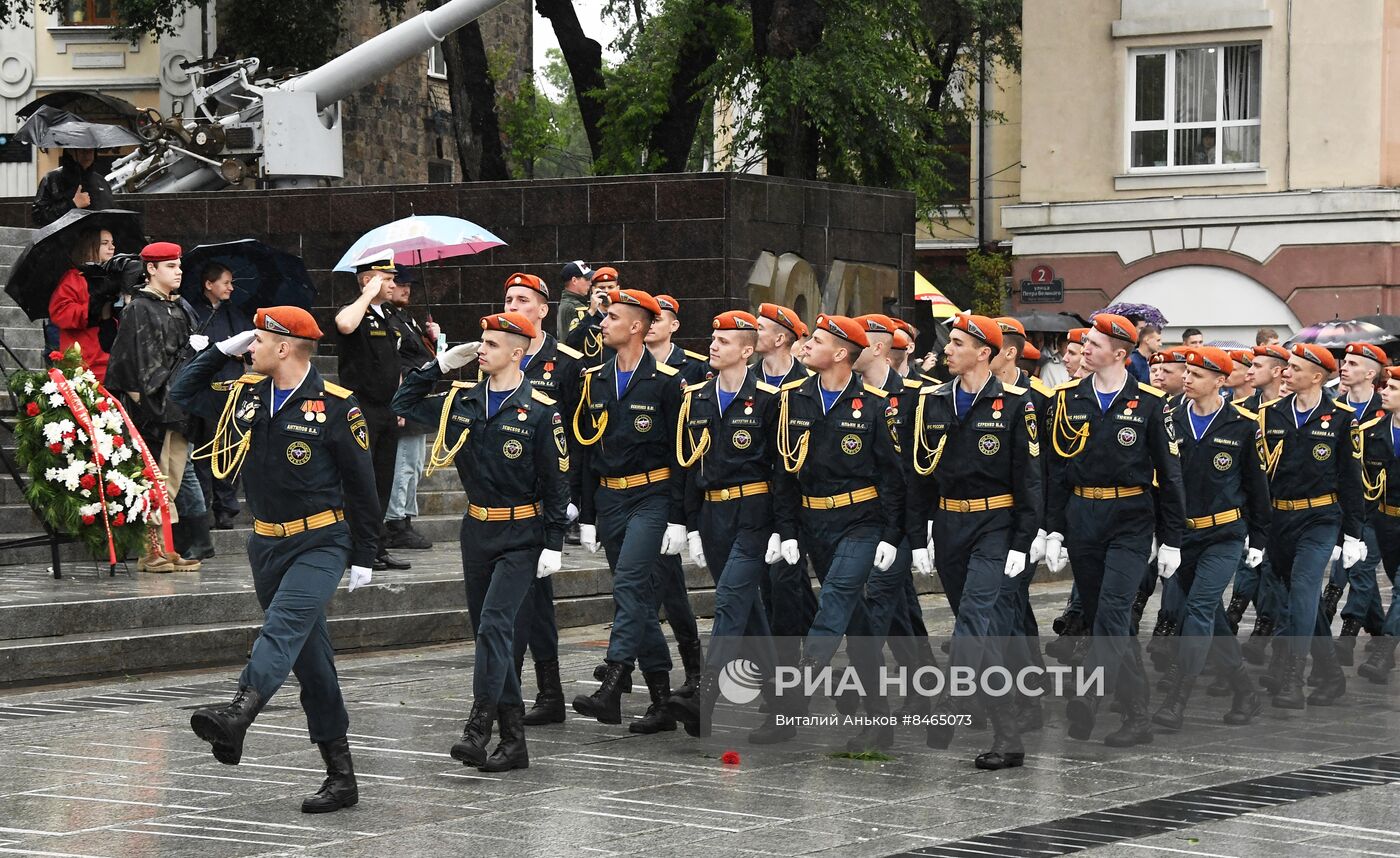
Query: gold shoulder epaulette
(581,310)
(540,397)
(872,389)
(1264,405)
(1345,407)
(666,369)
(571,352)
(1155,391)
(794,384)
(931,389)
(333,389)
(765,387)
(1072,383)
(255,377)
(696,356)
(691,388)
(1245,411)
(464,385)
(1372,422)
(593,368)
(913,383)
(1039,386)
(1013,389)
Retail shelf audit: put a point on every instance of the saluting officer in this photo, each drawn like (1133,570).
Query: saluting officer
(1380,446)
(1362,364)
(553,369)
(726,432)
(1111,439)
(1227,510)
(840,490)
(1311,448)
(977,475)
(315,513)
(507,440)
(633,500)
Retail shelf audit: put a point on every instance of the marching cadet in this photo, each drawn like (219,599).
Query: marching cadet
(1111,437)
(1380,447)
(507,441)
(725,430)
(315,512)
(552,369)
(841,488)
(1227,510)
(974,455)
(787,591)
(1172,374)
(1311,448)
(1169,372)
(1362,364)
(586,335)
(633,500)
(899,353)
(1237,386)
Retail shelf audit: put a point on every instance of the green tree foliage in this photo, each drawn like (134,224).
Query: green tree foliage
(988,271)
(541,125)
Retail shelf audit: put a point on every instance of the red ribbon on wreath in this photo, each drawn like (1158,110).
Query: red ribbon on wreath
(157,479)
(84,420)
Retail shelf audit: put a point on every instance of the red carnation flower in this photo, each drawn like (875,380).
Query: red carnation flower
(103,405)
(148,473)
(32,409)
(118,441)
(55,356)
(113,490)
(730,758)
(120,519)
(89,519)
(87,481)
(55,449)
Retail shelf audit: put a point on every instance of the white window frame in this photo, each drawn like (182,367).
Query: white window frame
(435,58)
(1171,126)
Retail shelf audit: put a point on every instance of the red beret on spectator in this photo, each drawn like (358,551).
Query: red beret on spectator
(635,298)
(1314,353)
(844,327)
(606,274)
(288,322)
(1117,327)
(785,317)
(160,251)
(529,281)
(735,320)
(979,327)
(509,323)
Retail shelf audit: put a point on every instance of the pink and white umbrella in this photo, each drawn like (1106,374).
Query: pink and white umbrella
(418,239)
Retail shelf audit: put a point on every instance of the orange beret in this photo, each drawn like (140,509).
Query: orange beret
(902,341)
(979,327)
(635,298)
(1241,356)
(1170,356)
(906,327)
(510,323)
(1314,353)
(1117,327)
(1393,372)
(605,274)
(844,327)
(1275,351)
(288,322)
(1030,352)
(1211,358)
(785,317)
(735,320)
(529,281)
(666,302)
(877,323)
(1367,350)
(160,251)
(1009,325)
(1076,335)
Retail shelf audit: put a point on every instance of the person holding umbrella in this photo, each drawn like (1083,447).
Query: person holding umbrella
(75,184)
(76,310)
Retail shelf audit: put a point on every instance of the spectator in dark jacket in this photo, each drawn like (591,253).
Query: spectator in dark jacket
(77,184)
(217,318)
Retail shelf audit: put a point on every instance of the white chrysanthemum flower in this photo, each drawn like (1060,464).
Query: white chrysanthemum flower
(49,387)
(56,401)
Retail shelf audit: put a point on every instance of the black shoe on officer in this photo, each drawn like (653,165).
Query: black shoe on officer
(1256,649)
(1136,728)
(1331,597)
(225,727)
(1245,703)
(1172,713)
(694,712)
(1234,614)
(386,561)
(605,704)
(1276,674)
(1080,712)
(1007,751)
(693,662)
(1332,681)
(602,670)
(1346,642)
(470,750)
(1376,669)
(549,701)
(510,752)
(339,788)
(658,718)
(1289,693)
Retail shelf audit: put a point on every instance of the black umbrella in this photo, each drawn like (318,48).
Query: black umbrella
(263,276)
(49,126)
(87,104)
(1050,323)
(1336,333)
(1389,324)
(49,253)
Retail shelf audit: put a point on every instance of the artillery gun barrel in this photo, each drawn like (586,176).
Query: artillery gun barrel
(375,58)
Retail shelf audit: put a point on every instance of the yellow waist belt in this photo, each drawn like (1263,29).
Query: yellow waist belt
(1205,521)
(868,493)
(976,504)
(503,513)
(736,492)
(1108,492)
(1306,503)
(1392,511)
(632,481)
(292,528)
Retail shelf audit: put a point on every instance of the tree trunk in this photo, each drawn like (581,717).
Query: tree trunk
(472,94)
(584,57)
(789,29)
(673,136)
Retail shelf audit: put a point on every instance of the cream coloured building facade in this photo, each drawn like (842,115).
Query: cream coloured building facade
(1234,162)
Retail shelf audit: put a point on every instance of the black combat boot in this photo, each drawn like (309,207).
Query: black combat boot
(1172,712)
(225,726)
(470,750)
(774,730)
(602,670)
(1276,674)
(1028,713)
(605,704)
(1245,704)
(1289,694)
(1163,641)
(1332,682)
(693,712)
(657,718)
(1234,613)
(1346,642)
(339,788)
(1380,662)
(1136,728)
(1062,648)
(1169,678)
(1331,597)
(944,717)
(510,752)
(549,702)
(1135,613)
(693,662)
(1256,649)
(1007,751)
(1081,711)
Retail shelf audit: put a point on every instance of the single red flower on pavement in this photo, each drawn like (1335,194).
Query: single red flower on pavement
(32,409)
(730,758)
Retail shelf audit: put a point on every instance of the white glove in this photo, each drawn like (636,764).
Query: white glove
(1152,555)
(359,577)
(588,537)
(1015,563)
(573,513)
(1168,560)
(238,344)
(1336,553)
(1037,548)
(1353,551)
(697,551)
(1055,555)
(549,563)
(791,553)
(775,550)
(1253,557)
(884,556)
(199,342)
(923,560)
(458,356)
(673,540)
